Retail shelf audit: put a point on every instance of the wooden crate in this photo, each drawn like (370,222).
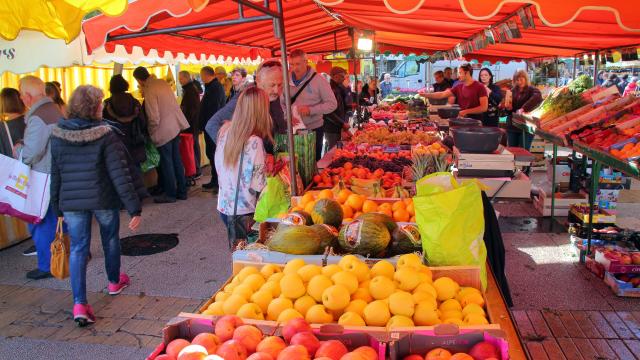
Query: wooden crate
(12,231)
(463,275)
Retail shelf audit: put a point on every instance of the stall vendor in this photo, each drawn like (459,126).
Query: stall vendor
(468,93)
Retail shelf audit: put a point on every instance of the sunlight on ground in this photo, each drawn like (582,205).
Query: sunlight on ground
(542,255)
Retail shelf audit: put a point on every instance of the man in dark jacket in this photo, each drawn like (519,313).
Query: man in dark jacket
(335,121)
(213,100)
(190,106)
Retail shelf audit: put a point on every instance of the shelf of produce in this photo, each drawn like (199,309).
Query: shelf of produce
(501,319)
(627,168)
(531,128)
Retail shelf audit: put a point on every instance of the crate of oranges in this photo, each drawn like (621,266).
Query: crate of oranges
(627,150)
(353,205)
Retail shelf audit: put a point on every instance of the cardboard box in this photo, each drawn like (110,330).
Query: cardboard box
(599,217)
(595,267)
(463,275)
(621,288)
(517,187)
(563,172)
(187,326)
(614,266)
(410,341)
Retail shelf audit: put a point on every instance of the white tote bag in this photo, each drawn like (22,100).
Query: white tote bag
(24,193)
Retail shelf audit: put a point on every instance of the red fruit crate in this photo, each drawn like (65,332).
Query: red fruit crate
(445,336)
(621,288)
(619,266)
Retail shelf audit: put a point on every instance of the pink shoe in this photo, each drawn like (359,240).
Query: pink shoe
(115,289)
(83,315)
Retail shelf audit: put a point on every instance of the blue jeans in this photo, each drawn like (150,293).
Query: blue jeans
(43,235)
(79,223)
(171,169)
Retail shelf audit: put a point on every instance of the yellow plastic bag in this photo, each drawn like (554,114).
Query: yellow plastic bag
(60,253)
(450,218)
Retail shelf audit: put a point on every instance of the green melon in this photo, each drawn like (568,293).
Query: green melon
(381,218)
(404,240)
(327,211)
(297,218)
(328,236)
(364,237)
(295,240)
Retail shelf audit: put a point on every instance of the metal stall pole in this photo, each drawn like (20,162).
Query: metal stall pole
(595,67)
(355,73)
(553,185)
(575,62)
(278,28)
(557,71)
(595,174)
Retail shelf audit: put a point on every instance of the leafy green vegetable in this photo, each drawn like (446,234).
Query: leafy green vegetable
(580,84)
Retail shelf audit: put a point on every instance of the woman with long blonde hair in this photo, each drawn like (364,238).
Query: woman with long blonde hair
(240,161)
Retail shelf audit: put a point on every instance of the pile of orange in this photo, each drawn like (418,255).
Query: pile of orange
(353,205)
(630,150)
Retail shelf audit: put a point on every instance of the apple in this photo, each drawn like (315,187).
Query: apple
(308,340)
(413,357)
(208,340)
(625,259)
(293,327)
(635,258)
(226,325)
(271,345)
(248,336)
(484,350)
(213,357)
(367,352)
(232,350)
(635,281)
(260,356)
(353,356)
(438,354)
(291,352)
(624,277)
(332,349)
(175,346)
(165,357)
(192,356)
(193,349)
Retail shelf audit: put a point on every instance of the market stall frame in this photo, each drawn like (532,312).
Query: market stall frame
(278,29)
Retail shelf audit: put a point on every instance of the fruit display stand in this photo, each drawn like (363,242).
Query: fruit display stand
(447,339)
(12,231)
(187,326)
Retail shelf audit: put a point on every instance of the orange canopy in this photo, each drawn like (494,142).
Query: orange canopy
(562,27)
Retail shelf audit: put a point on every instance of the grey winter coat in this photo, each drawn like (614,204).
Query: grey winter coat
(40,120)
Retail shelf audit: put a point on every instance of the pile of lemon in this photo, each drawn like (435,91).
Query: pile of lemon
(351,294)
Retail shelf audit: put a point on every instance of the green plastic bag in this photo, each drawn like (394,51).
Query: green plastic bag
(450,218)
(153,157)
(274,200)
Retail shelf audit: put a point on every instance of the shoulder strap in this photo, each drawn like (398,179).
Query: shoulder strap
(6,127)
(295,97)
(235,201)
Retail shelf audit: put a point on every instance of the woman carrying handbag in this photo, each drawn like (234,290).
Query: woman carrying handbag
(240,163)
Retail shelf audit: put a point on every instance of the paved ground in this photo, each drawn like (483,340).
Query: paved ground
(35,317)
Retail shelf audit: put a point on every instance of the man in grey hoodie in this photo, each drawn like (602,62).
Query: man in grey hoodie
(314,99)
(43,115)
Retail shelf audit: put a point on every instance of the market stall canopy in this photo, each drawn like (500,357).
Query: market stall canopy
(57,19)
(304,21)
(504,29)
(18,56)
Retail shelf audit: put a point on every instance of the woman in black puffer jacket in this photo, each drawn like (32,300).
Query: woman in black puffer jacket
(91,175)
